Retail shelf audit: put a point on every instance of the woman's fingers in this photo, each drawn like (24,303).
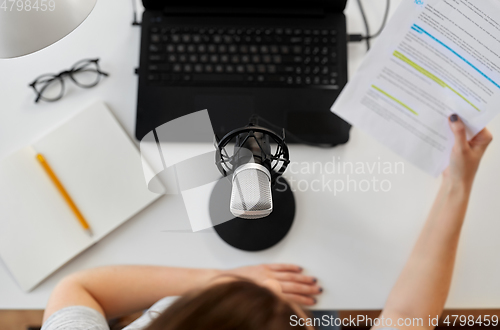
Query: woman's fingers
(294,277)
(299,299)
(458,129)
(290,273)
(304,289)
(285,268)
(300,293)
(482,139)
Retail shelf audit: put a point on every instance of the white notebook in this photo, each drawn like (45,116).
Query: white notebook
(99,167)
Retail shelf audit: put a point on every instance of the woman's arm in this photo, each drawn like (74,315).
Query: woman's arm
(119,290)
(422,288)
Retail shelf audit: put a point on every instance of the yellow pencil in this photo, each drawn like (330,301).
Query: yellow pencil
(64,193)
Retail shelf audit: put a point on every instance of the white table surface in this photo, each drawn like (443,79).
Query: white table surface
(356,243)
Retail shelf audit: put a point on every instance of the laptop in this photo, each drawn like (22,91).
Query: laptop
(284,61)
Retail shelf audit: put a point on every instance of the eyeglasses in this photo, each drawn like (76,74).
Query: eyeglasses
(50,87)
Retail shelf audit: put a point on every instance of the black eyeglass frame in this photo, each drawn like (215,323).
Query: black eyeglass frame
(77,67)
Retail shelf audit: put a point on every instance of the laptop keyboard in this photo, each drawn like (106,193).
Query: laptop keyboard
(206,56)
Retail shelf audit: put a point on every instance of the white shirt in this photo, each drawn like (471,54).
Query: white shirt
(86,318)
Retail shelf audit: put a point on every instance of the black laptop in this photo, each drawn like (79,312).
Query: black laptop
(285,61)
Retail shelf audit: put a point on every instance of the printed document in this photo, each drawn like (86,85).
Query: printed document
(435,58)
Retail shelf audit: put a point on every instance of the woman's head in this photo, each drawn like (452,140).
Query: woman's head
(228,305)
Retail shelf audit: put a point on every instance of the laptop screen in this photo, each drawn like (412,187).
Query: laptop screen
(330,5)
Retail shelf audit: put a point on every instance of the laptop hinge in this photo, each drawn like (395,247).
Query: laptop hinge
(242,12)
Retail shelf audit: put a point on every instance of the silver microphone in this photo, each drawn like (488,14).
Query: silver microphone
(260,157)
(251,196)
(256,219)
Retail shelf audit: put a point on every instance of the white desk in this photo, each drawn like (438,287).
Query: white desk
(355,243)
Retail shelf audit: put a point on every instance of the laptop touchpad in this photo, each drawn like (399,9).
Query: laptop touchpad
(227,112)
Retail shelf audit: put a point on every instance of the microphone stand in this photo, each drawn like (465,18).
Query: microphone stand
(253,234)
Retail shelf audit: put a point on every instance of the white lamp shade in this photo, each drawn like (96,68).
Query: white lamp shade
(26,31)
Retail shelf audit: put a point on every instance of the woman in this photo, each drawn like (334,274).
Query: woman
(266,297)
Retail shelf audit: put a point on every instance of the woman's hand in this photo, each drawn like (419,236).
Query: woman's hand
(295,286)
(423,285)
(465,155)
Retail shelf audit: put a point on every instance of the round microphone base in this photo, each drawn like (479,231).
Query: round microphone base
(256,234)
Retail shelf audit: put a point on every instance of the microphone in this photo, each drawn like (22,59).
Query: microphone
(254,167)
(251,196)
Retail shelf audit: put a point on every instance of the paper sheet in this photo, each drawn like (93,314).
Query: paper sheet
(435,58)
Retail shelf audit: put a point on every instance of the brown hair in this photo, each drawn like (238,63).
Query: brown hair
(241,305)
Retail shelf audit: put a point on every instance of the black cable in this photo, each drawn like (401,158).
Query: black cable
(134,11)
(355,37)
(384,21)
(367,26)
